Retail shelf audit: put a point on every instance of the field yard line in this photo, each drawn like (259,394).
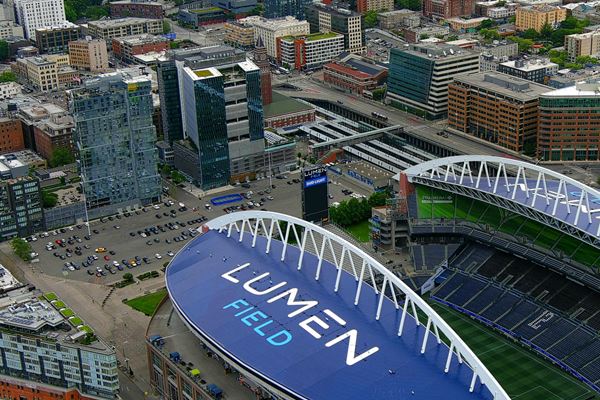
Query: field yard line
(529,353)
(534,388)
(492,349)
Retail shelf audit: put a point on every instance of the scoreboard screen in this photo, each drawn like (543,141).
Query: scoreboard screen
(315,204)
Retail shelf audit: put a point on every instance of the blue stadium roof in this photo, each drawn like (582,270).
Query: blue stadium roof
(303,366)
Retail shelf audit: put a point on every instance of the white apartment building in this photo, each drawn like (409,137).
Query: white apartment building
(310,51)
(34,14)
(9,89)
(271,29)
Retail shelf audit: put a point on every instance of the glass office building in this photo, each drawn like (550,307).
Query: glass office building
(115,140)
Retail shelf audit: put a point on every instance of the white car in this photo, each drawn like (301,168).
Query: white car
(181,205)
(158,256)
(170,253)
(156,207)
(115,263)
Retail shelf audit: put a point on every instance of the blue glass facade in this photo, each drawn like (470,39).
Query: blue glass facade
(116,140)
(410,75)
(212,132)
(255,105)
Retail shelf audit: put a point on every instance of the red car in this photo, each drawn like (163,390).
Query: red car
(106,258)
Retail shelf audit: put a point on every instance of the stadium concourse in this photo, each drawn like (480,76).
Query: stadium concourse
(527,255)
(307,315)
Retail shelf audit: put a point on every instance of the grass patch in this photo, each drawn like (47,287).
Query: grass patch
(67,312)
(360,231)
(58,304)
(76,321)
(147,303)
(87,329)
(50,296)
(523,374)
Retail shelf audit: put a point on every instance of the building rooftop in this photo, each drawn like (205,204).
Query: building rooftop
(36,112)
(539,8)
(139,40)
(284,105)
(313,36)
(338,11)
(589,88)
(206,10)
(504,84)
(45,316)
(397,12)
(63,25)
(112,23)
(530,65)
(271,23)
(434,50)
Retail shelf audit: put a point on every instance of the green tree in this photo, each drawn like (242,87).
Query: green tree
(501,3)
(546,31)
(530,34)
(423,36)
(49,199)
(166,169)
(586,60)
(21,248)
(166,25)
(486,24)
(371,19)
(177,177)
(8,76)
(414,5)
(490,34)
(61,156)
(128,277)
(4,52)
(524,44)
(258,10)
(378,93)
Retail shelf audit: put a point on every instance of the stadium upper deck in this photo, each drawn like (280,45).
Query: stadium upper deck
(531,190)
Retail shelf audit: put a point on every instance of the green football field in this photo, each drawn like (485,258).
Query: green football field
(523,375)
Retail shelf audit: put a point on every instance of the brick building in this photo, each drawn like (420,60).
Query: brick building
(354,74)
(127,47)
(448,8)
(261,59)
(54,133)
(11,135)
(569,125)
(496,107)
(136,8)
(285,111)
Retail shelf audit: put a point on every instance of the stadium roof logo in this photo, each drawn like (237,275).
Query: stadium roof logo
(229,283)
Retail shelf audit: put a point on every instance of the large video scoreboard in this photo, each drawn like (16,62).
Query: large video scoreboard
(315,203)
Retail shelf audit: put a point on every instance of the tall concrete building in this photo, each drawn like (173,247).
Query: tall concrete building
(419,76)
(221,114)
(326,18)
(498,108)
(114,137)
(34,14)
(442,9)
(89,54)
(569,124)
(535,17)
(583,44)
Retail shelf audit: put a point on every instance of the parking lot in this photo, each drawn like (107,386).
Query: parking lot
(138,237)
